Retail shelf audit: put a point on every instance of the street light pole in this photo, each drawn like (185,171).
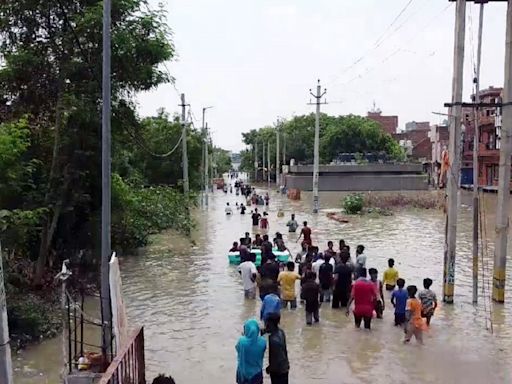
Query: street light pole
(106,181)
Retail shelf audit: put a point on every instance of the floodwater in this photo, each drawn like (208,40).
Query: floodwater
(191,304)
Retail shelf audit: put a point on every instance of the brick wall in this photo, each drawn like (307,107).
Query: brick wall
(388,123)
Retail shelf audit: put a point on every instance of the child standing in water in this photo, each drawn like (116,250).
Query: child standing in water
(413,315)
(278,364)
(379,301)
(399,301)
(264,221)
(390,276)
(428,301)
(250,352)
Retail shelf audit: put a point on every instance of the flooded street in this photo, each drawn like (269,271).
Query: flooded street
(190,301)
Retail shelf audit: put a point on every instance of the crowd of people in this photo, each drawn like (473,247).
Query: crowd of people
(331,276)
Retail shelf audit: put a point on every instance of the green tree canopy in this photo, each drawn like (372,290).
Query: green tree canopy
(51,73)
(338,134)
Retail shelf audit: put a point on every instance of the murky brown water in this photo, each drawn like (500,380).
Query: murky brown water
(191,304)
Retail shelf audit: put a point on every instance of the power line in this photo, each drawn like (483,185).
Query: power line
(137,140)
(380,40)
(140,143)
(377,43)
(400,49)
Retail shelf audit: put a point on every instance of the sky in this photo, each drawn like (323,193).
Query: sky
(256,60)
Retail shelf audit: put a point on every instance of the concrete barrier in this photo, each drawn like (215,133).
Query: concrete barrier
(352,177)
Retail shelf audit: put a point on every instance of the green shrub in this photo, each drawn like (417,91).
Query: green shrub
(353,203)
(31,318)
(138,212)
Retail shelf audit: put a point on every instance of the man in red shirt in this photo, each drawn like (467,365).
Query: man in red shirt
(363,296)
(306,232)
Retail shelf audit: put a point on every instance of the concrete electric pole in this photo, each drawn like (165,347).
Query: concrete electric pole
(476,202)
(205,154)
(255,162)
(184,154)
(277,154)
(502,219)
(5,347)
(455,114)
(316,165)
(106,183)
(263,162)
(268,164)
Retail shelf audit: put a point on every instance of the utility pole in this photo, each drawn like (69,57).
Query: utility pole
(502,220)
(206,165)
(106,183)
(284,149)
(316,165)
(263,162)
(454,154)
(211,164)
(277,154)
(476,138)
(205,151)
(5,347)
(184,153)
(268,164)
(255,161)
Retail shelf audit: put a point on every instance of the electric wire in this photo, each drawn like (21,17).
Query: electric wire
(399,49)
(375,46)
(136,139)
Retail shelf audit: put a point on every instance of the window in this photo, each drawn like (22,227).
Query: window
(492,141)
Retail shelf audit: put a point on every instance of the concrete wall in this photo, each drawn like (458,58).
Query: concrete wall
(364,177)
(359,168)
(358,182)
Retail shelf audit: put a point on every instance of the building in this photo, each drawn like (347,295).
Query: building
(416,142)
(388,123)
(489,140)
(417,126)
(439,136)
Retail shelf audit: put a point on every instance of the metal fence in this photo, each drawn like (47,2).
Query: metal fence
(128,367)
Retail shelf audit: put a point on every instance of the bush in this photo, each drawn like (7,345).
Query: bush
(353,204)
(399,200)
(138,212)
(31,318)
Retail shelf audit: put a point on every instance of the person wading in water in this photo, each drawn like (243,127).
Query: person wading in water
(306,233)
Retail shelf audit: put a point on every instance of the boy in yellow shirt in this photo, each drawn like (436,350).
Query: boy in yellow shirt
(390,276)
(287,281)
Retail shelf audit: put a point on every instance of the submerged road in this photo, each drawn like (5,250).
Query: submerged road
(191,302)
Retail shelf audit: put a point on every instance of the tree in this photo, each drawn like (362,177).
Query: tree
(151,155)
(355,134)
(247,161)
(222,161)
(52,73)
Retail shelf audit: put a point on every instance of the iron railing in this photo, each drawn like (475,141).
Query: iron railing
(128,367)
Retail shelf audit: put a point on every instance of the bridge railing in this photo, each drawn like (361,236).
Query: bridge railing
(128,367)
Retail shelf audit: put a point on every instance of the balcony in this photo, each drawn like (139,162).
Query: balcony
(485,150)
(486,121)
